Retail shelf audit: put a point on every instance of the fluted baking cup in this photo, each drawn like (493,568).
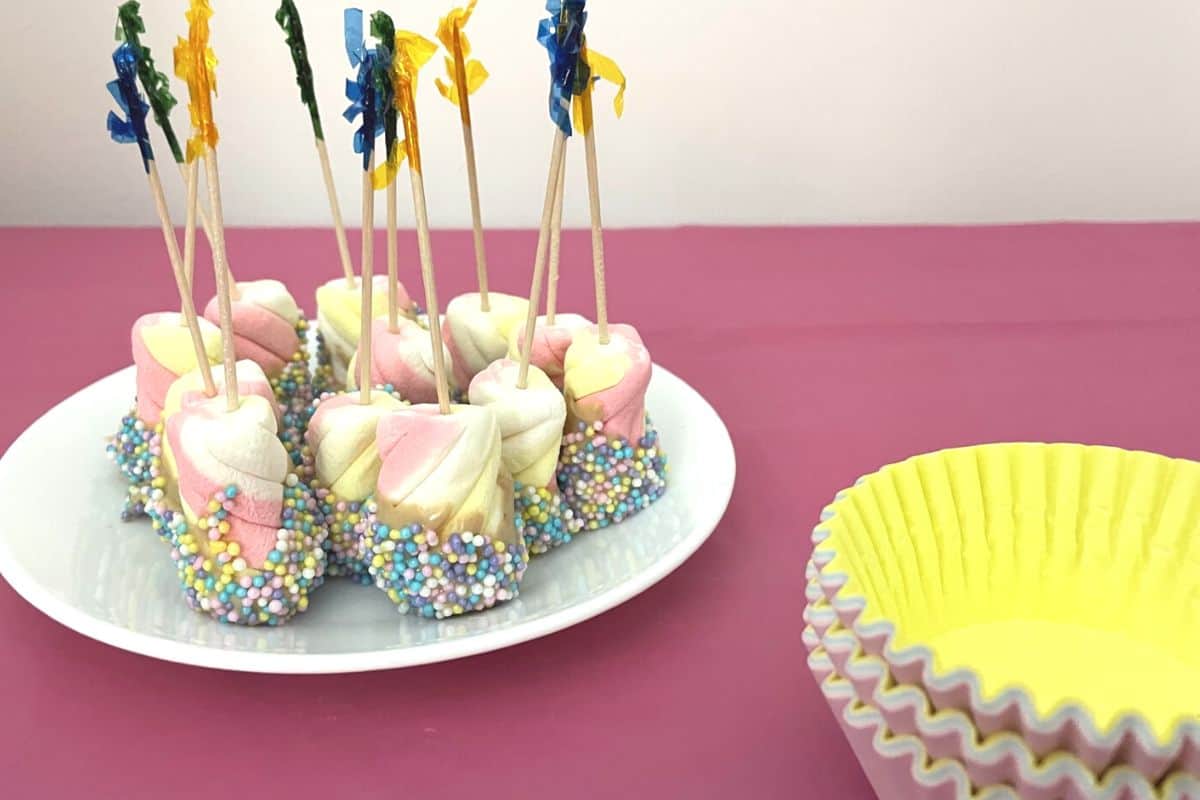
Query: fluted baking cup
(953,732)
(1051,590)
(901,765)
(898,767)
(1000,758)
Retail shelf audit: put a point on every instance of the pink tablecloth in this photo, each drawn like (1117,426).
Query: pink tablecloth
(827,351)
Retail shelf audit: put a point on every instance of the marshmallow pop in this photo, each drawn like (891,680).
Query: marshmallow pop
(165,344)
(339,321)
(270,330)
(401,360)
(531,422)
(611,464)
(341,433)
(605,388)
(552,337)
(164,347)
(246,534)
(476,336)
(162,351)
(444,541)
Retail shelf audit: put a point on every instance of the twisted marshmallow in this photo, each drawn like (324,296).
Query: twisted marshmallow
(477,338)
(607,382)
(213,448)
(162,351)
(264,324)
(444,472)
(339,317)
(550,343)
(341,435)
(188,389)
(531,419)
(403,359)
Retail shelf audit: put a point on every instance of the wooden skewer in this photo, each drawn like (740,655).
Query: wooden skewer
(368,267)
(464,108)
(593,180)
(339,228)
(555,242)
(224,279)
(431,301)
(189,262)
(206,222)
(191,179)
(185,171)
(539,259)
(392,257)
(476,220)
(181,282)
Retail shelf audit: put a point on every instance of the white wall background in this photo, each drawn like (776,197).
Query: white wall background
(758,111)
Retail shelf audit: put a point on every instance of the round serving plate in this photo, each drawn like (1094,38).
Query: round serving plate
(72,558)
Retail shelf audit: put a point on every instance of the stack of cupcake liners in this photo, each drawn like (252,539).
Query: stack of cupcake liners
(959,596)
(896,765)
(900,767)
(999,759)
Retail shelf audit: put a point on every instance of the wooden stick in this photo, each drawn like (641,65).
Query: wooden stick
(555,242)
(224,279)
(368,267)
(206,222)
(464,109)
(339,228)
(431,301)
(481,273)
(189,263)
(184,171)
(181,282)
(392,257)
(593,180)
(539,259)
(192,180)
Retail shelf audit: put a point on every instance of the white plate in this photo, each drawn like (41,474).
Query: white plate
(64,549)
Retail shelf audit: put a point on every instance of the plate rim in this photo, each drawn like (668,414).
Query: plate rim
(187,653)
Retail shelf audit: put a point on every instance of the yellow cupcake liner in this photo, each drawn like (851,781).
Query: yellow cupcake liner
(1002,758)
(897,766)
(1048,589)
(910,710)
(900,767)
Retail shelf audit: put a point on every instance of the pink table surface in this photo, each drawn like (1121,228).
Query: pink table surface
(827,351)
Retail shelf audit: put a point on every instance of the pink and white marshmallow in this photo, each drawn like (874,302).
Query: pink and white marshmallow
(339,317)
(550,343)
(341,435)
(607,382)
(264,324)
(188,389)
(445,472)
(213,448)
(162,351)
(475,337)
(403,359)
(531,419)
